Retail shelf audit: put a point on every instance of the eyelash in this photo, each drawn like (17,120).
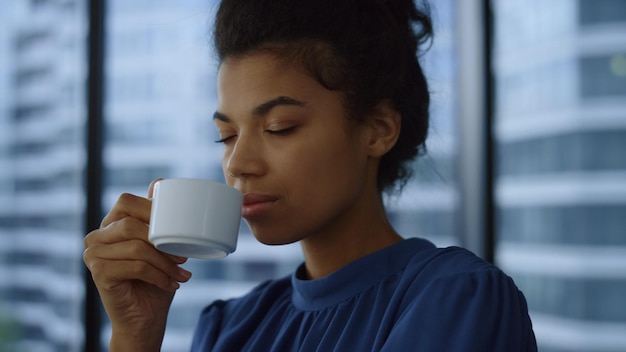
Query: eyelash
(283,132)
(224,140)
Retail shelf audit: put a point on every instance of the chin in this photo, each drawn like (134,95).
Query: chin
(270,241)
(273,238)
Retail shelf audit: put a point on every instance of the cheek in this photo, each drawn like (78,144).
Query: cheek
(326,163)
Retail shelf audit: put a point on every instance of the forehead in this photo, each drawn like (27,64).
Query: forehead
(245,81)
(257,67)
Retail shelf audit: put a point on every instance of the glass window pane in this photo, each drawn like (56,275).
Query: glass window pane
(560,192)
(601,12)
(603,75)
(429,206)
(42,117)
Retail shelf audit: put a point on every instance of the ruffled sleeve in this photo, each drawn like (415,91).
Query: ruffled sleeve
(208,327)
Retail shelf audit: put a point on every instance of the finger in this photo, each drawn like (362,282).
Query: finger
(151,188)
(123,230)
(175,258)
(129,205)
(108,274)
(138,250)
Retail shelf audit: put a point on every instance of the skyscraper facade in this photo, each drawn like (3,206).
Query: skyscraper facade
(560,132)
(42,119)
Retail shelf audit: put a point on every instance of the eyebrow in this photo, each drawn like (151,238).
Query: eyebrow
(263,108)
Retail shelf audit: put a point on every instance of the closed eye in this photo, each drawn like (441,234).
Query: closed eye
(225,139)
(282,132)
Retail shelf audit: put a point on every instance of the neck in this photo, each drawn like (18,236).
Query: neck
(363,231)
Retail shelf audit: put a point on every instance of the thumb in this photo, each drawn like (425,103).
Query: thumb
(151,188)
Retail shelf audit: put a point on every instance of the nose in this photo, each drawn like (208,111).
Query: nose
(245,158)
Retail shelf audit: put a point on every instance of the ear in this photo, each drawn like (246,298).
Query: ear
(384,123)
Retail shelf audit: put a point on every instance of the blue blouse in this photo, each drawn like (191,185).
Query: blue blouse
(410,296)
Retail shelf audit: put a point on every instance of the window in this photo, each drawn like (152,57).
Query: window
(587,224)
(41,170)
(568,152)
(601,12)
(560,178)
(603,75)
(559,132)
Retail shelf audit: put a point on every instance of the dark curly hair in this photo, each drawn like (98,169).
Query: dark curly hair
(366,49)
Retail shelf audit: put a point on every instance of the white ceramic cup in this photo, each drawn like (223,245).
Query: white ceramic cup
(195,218)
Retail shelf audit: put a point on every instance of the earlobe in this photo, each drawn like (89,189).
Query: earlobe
(385,125)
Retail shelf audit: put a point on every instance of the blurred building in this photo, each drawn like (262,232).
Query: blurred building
(560,69)
(42,118)
(560,131)
(429,205)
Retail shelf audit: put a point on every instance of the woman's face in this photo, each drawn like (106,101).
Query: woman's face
(288,146)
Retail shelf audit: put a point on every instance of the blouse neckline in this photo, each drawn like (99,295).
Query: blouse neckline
(355,277)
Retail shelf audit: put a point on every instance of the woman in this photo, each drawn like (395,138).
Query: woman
(321,106)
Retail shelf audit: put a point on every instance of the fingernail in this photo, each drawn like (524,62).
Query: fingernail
(179,260)
(184,273)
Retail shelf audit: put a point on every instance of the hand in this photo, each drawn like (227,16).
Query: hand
(136,281)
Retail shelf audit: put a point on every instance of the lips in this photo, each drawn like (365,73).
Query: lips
(256,204)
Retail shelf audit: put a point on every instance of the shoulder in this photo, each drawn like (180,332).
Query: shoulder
(461,295)
(451,266)
(441,275)
(449,260)
(422,257)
